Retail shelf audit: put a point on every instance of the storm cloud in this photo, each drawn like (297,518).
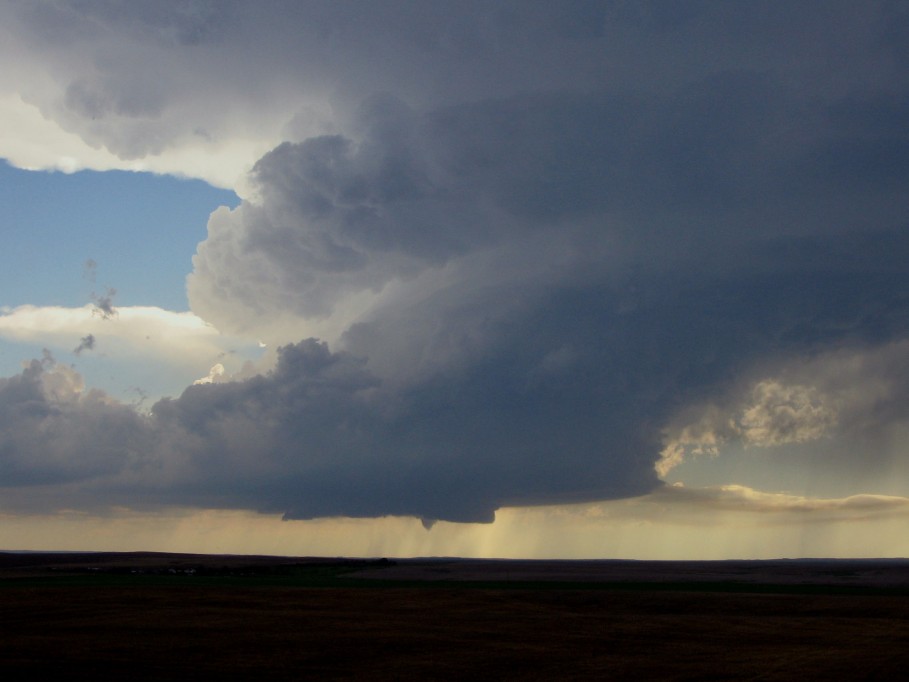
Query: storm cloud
(548,250)
(57,433)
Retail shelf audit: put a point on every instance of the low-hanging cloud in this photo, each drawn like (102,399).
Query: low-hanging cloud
(319,436)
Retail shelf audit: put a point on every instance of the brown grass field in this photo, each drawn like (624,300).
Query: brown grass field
(154,616)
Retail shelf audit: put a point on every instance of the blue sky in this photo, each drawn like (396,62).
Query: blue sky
(71,239)
(140,230)
(571,279)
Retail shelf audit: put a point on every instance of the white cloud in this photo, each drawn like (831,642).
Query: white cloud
(780,414)
(804,509)
(32,141)
(772,414)
(174,345)
(157,331)
(215,376)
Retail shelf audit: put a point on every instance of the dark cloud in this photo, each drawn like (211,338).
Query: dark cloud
(559,271)
(140,81)
(547,229)
(85,343)
(104,304)
(53,432)
(323,437)
(318,436)
(710,184)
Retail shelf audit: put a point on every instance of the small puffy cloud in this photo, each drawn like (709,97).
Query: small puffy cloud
(215,375)
(104,304)
(773,414)
(85,343)
(698,431)
(840,402)
(780,414)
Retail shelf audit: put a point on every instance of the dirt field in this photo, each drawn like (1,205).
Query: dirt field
(178,626)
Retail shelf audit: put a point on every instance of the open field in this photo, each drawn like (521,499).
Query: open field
(243,616)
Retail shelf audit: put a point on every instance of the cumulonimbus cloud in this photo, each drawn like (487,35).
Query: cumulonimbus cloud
(538,233)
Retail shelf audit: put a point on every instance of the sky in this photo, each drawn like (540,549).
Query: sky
(519,279)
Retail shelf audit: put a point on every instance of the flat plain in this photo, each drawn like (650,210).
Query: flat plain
(145,616)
